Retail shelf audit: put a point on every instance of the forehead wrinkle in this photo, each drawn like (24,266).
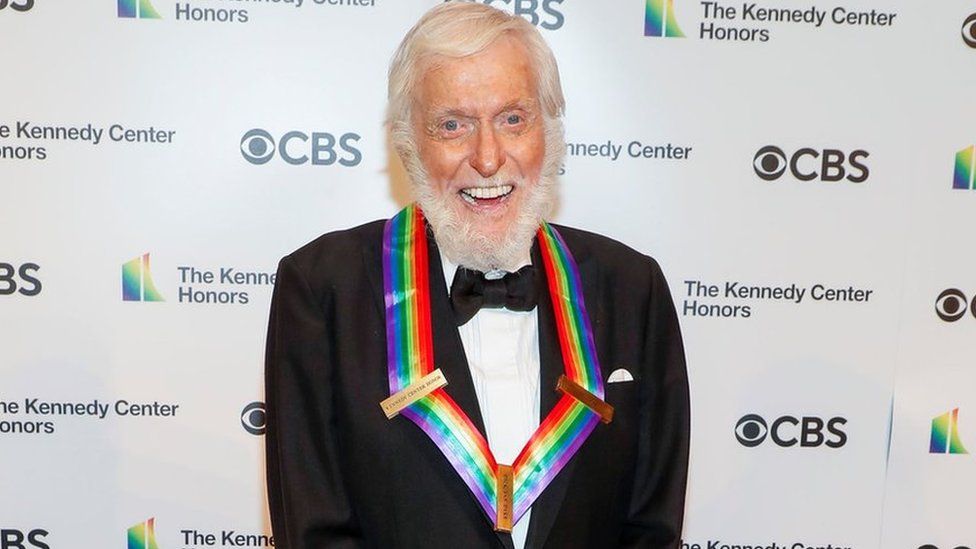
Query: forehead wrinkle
(452,86)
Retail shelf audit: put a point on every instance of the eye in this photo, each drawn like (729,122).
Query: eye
(257,146)
(254,418)
(969,31)
(950,305)
(751,430)
(514,119)
(769,163)
(451,125)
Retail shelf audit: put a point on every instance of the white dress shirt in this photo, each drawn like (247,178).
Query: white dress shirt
(502,348)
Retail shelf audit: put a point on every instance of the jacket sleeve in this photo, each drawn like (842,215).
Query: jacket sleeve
(309,506)
(657,505)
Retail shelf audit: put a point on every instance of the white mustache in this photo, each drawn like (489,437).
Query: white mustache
(491,182)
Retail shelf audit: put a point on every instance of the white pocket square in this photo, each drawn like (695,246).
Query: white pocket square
(619,376)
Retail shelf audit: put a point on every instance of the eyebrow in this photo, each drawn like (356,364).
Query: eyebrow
(441,113)
(518,104)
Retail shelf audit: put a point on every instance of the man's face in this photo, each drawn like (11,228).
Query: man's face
(480,133)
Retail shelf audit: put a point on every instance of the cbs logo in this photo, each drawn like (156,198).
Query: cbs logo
(254,418)
(21,5)
(29,285)
(550,18)
(788,431)
(951,305)
(806,164)
(969,31)
(930,546)
(21,539)
(259,147)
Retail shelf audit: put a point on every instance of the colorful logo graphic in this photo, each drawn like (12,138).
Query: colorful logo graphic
(965,169)
(659,19)
(138,9)
(137,283)
(143,535)
(945,434)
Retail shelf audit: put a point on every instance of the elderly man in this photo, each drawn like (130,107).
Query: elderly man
(541,402)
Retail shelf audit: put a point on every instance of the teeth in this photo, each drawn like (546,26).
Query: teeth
(485,193)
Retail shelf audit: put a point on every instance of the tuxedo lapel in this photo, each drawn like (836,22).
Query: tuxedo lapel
(449,354)
(373,263)
(546,507)
(448,351)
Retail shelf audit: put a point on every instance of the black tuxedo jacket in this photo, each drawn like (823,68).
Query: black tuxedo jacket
(340,474)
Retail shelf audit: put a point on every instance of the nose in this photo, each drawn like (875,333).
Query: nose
(488,156)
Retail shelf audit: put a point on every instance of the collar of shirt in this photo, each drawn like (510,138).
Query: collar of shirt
(450,268)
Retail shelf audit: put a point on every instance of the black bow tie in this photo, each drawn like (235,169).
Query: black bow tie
(470,291)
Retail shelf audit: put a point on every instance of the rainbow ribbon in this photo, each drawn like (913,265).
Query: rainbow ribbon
(410,357)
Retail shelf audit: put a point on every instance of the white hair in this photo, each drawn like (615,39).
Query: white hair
(460,29)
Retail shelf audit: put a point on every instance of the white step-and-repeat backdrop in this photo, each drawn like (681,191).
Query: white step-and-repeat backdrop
(803,170)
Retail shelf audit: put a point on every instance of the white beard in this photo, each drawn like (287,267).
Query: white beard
(466,245)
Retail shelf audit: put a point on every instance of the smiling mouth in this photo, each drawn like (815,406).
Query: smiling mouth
(486,195)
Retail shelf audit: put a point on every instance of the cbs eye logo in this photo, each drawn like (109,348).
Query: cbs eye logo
(788,431)
(254,418)
(951,305)
(969,31)
(297,148)
(806,164)
(930,546)
(751,430)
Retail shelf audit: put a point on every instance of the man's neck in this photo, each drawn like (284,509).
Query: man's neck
(450,268)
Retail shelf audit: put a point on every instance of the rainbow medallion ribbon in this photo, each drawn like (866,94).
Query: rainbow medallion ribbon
(411,356)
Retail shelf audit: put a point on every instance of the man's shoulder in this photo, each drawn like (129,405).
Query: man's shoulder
(631,277)
(613,256)
(337,249)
